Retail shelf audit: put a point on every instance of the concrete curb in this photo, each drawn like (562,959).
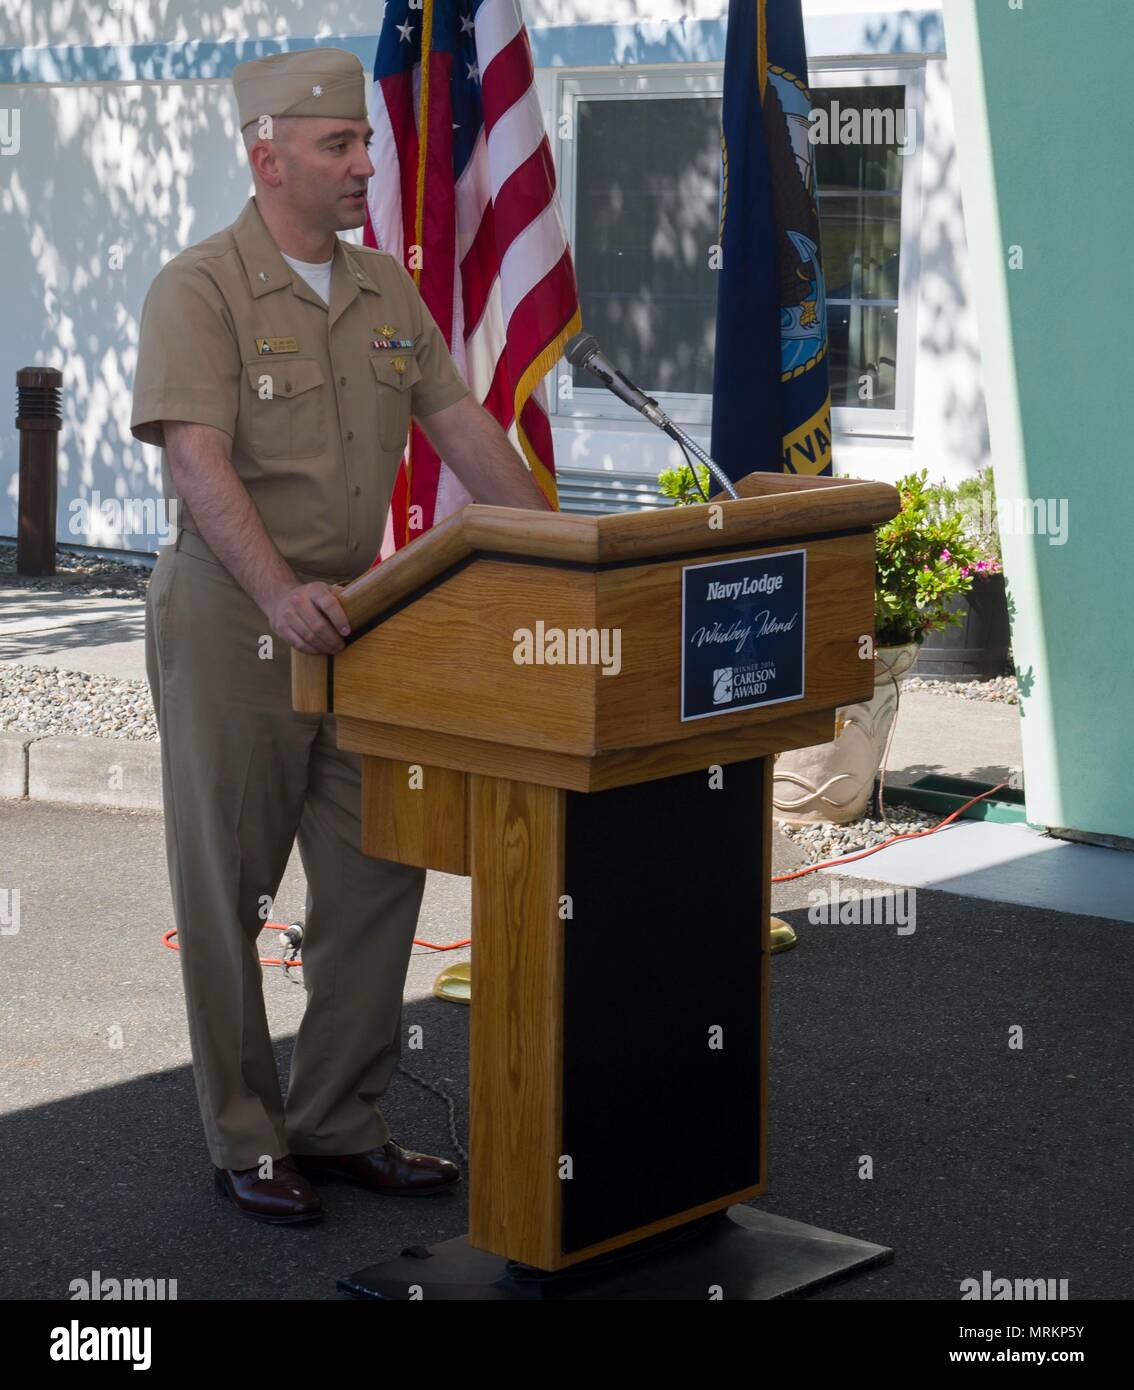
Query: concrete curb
(14,763)
(89,771)
(122,772)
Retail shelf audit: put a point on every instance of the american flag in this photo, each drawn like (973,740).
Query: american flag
(464,194)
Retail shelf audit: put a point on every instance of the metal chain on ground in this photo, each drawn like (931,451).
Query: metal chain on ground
(292,954)
(458,1147)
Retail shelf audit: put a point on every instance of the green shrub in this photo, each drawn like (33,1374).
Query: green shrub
(925,557)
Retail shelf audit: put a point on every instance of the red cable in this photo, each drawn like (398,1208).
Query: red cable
(893,840)
(167,937)
(167,940)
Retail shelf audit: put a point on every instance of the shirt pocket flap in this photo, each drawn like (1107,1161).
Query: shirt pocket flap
(289,377)
(386,372)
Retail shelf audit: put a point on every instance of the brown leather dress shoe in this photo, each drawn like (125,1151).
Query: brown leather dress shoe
(285,1197)
(389,1169)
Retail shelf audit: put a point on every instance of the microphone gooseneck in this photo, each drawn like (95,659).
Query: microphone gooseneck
(583,351)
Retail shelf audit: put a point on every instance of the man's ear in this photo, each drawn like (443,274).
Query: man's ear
(265,161)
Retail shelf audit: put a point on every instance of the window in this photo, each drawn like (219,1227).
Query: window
(869,214)
(639,172)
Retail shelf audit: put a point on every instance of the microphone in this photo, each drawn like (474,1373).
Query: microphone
(583,351)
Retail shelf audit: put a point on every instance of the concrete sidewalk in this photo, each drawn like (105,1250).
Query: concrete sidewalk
(73,631)
(953,737)
(63,626)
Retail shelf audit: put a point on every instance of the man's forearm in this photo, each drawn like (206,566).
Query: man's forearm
(487,464)
(225,515)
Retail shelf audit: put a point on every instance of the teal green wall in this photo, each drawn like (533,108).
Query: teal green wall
(1046,151)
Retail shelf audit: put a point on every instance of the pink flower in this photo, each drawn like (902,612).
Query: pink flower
(966,571)
(945,555)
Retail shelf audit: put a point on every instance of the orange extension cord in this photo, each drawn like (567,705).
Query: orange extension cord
(168,940)
(168,937)
(893,840)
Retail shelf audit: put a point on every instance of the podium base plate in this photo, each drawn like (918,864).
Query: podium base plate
(745,1253)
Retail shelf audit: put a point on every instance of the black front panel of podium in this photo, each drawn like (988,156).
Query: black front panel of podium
(662,948)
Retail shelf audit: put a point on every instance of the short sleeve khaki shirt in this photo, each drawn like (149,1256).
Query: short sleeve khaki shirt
(317,399)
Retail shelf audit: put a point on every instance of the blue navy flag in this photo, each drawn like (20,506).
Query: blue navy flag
(771,387)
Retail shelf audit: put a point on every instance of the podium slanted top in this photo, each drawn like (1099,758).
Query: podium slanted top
(771,508)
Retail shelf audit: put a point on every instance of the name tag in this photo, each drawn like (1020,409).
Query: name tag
(264,346)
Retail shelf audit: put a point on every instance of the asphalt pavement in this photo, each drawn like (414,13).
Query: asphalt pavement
(888,1047)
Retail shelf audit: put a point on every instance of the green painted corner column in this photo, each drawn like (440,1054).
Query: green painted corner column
(1045,152)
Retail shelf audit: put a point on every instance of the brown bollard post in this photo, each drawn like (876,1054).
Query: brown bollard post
(38,418)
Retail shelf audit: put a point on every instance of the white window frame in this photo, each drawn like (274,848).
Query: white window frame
(897,423)
(564,90)
(674,80)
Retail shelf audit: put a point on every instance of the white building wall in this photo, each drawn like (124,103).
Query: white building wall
(129,150)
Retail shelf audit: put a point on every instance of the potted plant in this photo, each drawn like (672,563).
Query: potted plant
(925,559)
(979,644)
(678,484)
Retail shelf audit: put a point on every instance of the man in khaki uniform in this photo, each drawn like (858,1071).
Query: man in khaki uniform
(278,367)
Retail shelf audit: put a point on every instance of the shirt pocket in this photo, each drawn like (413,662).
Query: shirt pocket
(289,419)
(395,397)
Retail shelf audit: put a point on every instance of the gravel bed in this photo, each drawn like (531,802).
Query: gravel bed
(1001,689)
(90,575)
(824,840)
(43,700)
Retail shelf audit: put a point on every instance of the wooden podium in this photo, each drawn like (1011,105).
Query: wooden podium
(616,824)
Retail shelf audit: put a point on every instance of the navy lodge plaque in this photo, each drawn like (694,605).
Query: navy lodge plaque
(742,632)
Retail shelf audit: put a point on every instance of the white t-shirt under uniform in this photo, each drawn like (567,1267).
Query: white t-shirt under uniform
(316,273)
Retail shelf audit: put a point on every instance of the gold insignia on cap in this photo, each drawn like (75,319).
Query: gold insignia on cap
(301,82)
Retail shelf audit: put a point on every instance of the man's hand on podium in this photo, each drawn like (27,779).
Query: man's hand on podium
(310,618)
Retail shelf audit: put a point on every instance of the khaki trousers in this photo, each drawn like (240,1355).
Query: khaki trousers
(242,776)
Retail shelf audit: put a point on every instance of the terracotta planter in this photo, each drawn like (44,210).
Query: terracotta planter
(834,781)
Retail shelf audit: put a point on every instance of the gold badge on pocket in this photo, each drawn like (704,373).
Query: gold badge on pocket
(267,346)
